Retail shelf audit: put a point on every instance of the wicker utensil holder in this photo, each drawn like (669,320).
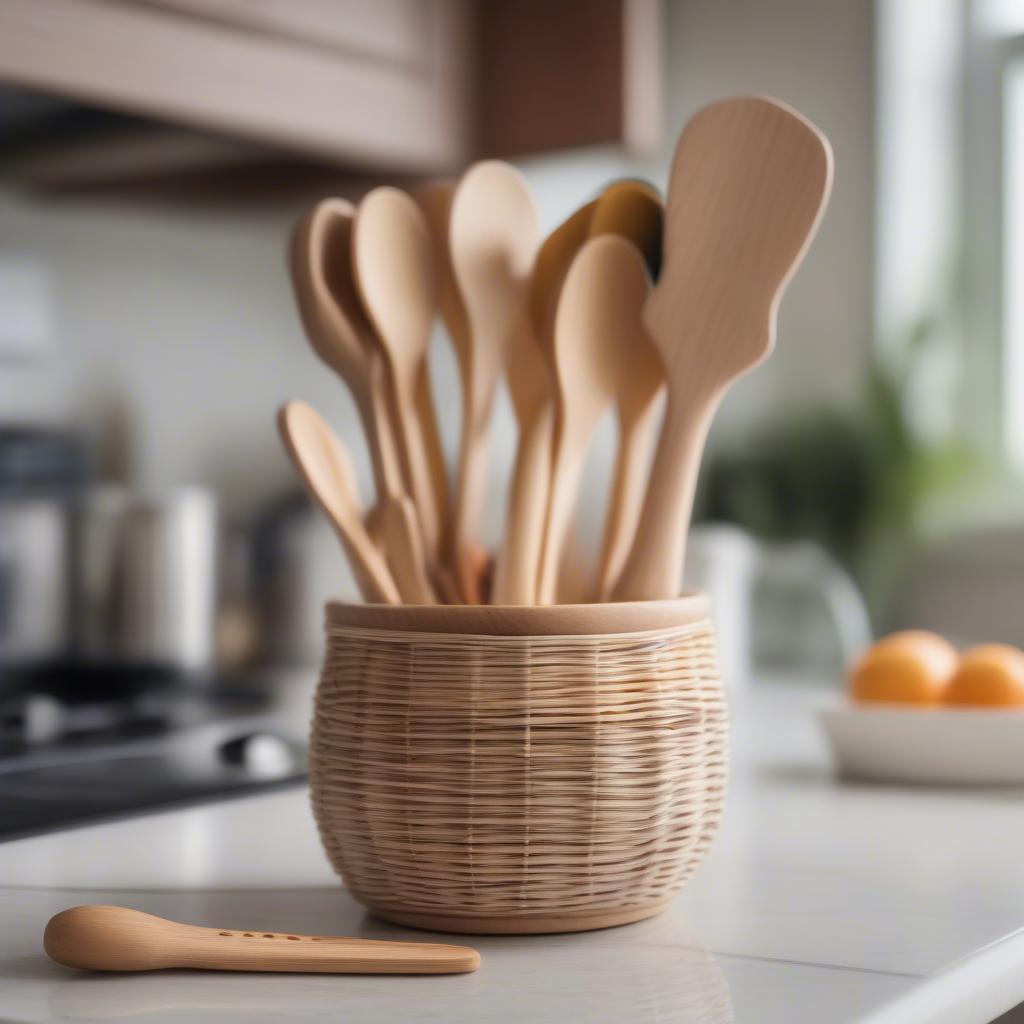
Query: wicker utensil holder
(518,770)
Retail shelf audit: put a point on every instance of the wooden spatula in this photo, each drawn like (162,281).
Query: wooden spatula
(492,235)
(748,186)
(97,938)
(325,467)
(597,328)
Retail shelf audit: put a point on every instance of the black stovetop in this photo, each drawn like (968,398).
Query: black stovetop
(67,762)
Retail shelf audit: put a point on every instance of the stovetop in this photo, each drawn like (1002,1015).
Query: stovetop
(68,762)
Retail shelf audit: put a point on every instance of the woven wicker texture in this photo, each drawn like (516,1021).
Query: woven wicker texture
(510,776)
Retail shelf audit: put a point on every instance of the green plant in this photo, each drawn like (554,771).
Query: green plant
(854,481)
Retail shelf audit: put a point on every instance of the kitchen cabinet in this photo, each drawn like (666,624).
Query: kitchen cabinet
(402,85)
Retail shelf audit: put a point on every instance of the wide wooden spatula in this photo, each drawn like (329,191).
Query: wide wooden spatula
(748,186)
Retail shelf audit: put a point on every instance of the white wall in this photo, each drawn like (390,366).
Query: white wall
(181,317)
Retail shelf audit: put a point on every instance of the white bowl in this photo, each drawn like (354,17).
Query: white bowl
(937,746)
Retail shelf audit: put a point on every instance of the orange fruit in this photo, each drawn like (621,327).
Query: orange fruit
(910,667)
(991,675)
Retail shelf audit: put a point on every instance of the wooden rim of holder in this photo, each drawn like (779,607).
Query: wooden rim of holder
(525,620)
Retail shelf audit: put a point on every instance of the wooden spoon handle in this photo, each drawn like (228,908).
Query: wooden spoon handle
(654,567)
(430,430)
(569,454)
(471,488)
(416,464)
(382,430)
(636,441)
(100,938)
(516,575)
(404,545)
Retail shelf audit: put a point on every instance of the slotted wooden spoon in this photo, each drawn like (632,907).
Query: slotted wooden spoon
(748,186)
(493,235)
(631,209)
(597,328)
(325,467)
(396,279)
(98,938)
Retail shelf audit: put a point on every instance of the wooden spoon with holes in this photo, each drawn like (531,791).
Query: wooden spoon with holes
(100,938)
(748,187)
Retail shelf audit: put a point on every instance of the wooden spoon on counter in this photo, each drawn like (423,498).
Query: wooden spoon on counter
(631,209)
(493,236)
(748,186)
(97,938)
(598,328)
(397,281)
(325,466)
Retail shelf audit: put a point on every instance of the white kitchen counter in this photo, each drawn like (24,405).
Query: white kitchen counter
(820,903)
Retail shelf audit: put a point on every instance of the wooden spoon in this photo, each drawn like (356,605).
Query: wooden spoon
(403,543)
(530,370)
(631,209)
(553,260)
(748,186)
(531,388)
(493,236)
(397,281)
(98,938)
(324,465)
(597,330)
(338,331)
(435,200)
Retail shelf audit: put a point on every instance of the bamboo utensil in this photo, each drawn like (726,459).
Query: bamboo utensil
(324,465)
(435,200)
(553,260)
(397,282)
(747,189)
(631,209)
(98,938)
(321,268)
(404,546)
(492,235)
(529,373)
(598,327)
(531,388)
